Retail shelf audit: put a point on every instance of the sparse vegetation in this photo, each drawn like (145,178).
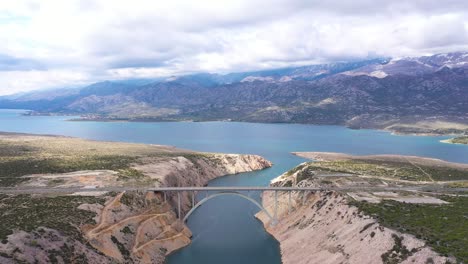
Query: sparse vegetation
(443,227)
(27,155)
(27,213)
(121,164)
(391,169)
(122,248)
(66,253)
(397,253)
(459,140)
(127,230)
(13,168)
(295,169)
(130,173)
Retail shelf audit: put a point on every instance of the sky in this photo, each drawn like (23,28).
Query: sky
(62,43)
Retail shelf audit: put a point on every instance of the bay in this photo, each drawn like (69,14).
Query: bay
(224,229)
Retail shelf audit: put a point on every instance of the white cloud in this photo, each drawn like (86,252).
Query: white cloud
(64,42)
(20,81)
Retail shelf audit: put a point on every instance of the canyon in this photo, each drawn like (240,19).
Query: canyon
(334,227)
(94,227)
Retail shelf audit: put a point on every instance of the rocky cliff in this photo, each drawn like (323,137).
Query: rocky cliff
(328,227)
(325,229)
(128,227)
(143,228)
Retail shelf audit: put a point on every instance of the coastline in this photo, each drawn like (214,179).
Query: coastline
(452,128)
(391,131)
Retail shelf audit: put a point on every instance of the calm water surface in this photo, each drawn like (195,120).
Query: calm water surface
(224,229)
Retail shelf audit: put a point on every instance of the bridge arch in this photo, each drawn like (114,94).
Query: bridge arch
(204,200)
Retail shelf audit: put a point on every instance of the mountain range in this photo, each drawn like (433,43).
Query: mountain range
(410,95)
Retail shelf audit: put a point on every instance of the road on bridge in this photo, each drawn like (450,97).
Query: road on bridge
(37,190)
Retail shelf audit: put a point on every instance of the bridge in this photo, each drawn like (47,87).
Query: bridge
(213,192)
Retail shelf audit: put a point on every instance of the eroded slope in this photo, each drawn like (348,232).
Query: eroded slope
(110,227)
(366,226)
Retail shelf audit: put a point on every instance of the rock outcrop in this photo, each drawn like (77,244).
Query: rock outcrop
(143,228)
(198,170)
(324,228)
(129,227)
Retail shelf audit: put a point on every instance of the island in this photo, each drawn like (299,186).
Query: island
(419,216)
(93,227)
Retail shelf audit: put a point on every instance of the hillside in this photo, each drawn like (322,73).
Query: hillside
(99,227)
(365,226)
(406,95)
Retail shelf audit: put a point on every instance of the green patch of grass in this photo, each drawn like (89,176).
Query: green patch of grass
(443,227)
(295,169)
(130,174)
(8,149)
(27,213)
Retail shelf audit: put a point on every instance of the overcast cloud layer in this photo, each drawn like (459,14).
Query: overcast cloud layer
(46,43)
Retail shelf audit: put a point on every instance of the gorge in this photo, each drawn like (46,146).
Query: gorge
(213,223)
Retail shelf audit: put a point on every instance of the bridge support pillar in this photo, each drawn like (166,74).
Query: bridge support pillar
(193,199)
(165,198)
(178,205)
(289,202)
(275,216)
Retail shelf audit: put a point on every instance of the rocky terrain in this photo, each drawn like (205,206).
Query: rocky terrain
(371,227)
(423,95)
(99,227)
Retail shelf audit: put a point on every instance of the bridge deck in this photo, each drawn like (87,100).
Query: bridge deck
(225,189)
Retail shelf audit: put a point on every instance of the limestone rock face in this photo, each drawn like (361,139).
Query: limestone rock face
(234,163)
(323,228)
(182,171)
(128,227)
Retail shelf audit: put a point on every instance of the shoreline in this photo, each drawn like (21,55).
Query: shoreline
(392,132)
(82,118)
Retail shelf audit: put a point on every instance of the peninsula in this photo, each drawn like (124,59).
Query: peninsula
(457,140)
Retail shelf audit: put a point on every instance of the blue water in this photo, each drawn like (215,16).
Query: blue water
(224,229)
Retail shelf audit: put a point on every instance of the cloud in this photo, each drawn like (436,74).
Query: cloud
(48,43)
(12,82)
(8,63)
